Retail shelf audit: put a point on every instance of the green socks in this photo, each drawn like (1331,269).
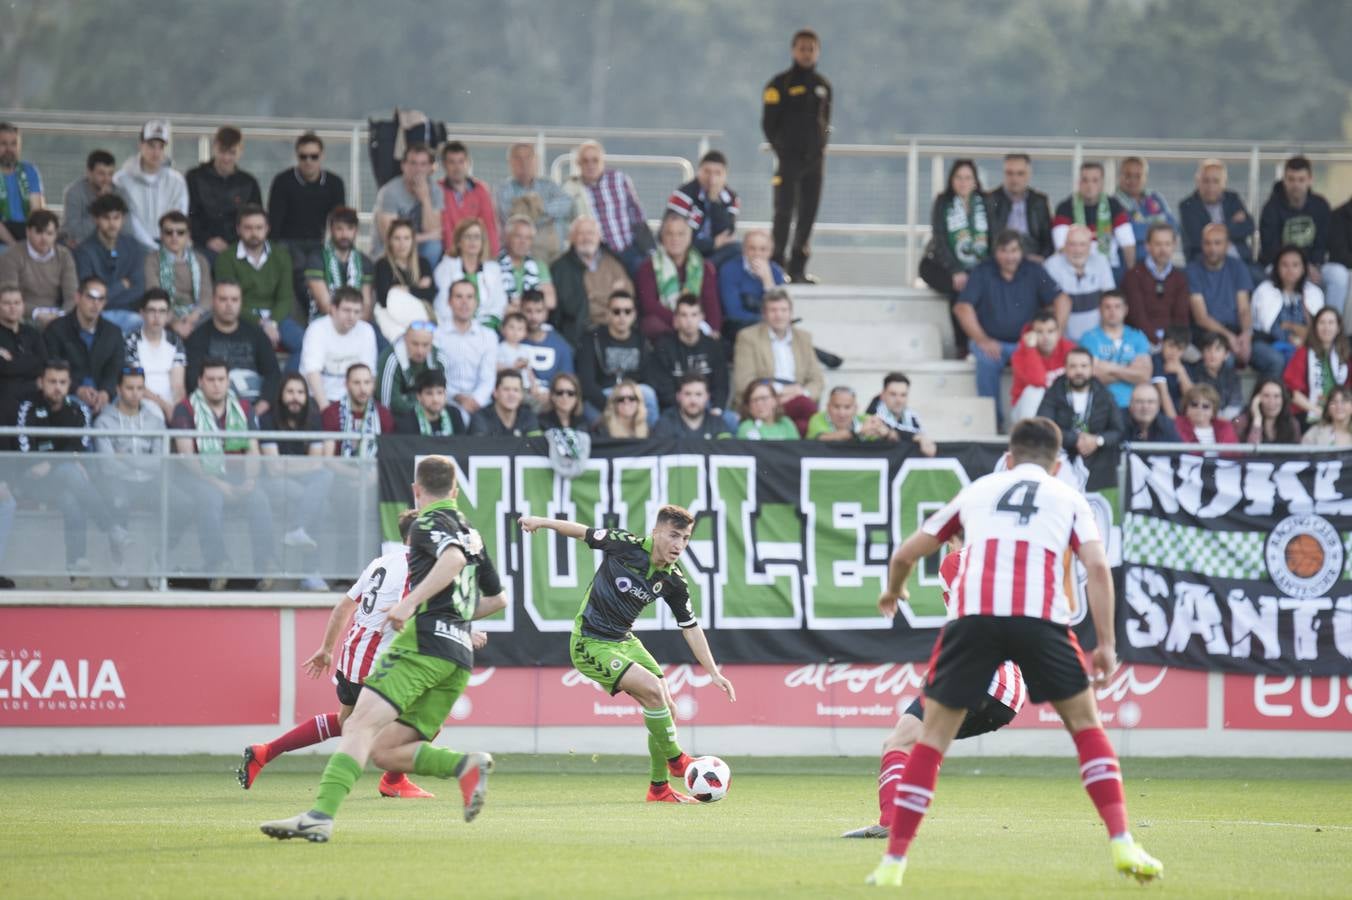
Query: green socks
(437,761)
(662,744)
(336,783)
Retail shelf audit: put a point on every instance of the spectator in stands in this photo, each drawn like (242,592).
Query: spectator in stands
(1220,287)
(469,350)
(710,208)
(959,231)
(1091,424)
(414,196)
(23,352)
(263,272)
(127,483)
(1268,418)
(625,414)
(1121,353)
(690,418)
(763,416)
(1110,229)
(217,190)
(613,353)
(302,486)
(1083,275)
(689,351)
(1285,302)
(92,345)
(508,415)
(1212,203)
(43,270)
(743,281)
(20,188)
(1294,214)
(1144,207)
(337,264)
(1217,369)
(522,271)
(842,421)
(1144,421)
(515,356)
(540,200)
(1199,423)
(1340,235)
(357,412)
(672,269)
(611,198)
(252,364)
(1157,293)
(429,416)
(1001,296)
(402,267)
(1320,366)
(565,408)
(217,485)
(181,272)
(891,407)
(464,197)
(1335,427)
(551,355)
(334,343)
(301,198)
(116,258)
(584,278)
(1171,375)
(467,260)
(159,354)
(401,364)
(77,223)
(63,485)
(780,355)
(150,184)
(1016,206)
(1037,362)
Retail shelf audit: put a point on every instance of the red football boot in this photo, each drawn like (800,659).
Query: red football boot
(255,758)
(396,784)
(678,766)
(664,794)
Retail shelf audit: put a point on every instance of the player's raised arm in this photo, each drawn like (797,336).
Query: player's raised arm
(699,645)
(575,530)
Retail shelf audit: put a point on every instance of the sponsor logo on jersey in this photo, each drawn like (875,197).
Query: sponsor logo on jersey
(451,633)
(626,585)
(599,534)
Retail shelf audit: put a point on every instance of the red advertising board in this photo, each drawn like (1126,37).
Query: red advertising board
(1288,703)
(1138,696)
(138,666)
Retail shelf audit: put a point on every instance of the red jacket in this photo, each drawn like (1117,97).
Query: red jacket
(655,319)
(478,203)
(1225,432)
(1032,368)
(1297,374)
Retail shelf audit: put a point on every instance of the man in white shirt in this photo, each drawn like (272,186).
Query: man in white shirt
(158,352)
(470,351)
(333,344)
(1083,275)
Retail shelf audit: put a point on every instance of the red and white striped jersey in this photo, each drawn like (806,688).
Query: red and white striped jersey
(378,589)
(1018,526)
(1007,684)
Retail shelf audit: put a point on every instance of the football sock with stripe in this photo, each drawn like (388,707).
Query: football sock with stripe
(1102,778)
(889,776)
(914,792)
(314,730)
(336,783)
(662,744)
(436,761)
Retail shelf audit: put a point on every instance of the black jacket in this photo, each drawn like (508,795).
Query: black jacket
(1101,418)
(672,360)
(33,413)
(1038,208)
(214,201)
(247,347)
(102,362)
(572,315)
(1311,232)
(1192,218)
(1340,235)
(796,116)
(298,210)
(602,361)
(19,373)
(1161,431)
(487,423)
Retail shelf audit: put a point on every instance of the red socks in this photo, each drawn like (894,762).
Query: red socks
(914,792)
(307,733)
(1102,778)
(889,774)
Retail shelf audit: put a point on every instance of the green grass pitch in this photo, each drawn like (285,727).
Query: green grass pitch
(559,826)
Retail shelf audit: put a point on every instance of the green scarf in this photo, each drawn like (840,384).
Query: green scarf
(167,281)
(1103,227)
(337,275)
(369,425)
(212,449)
(425,425)
(670,283)
(25,189)
(968,234)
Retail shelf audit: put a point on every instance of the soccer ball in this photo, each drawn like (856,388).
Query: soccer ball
(707,778)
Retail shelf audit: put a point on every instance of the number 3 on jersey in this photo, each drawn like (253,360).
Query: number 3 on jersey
(1026,493)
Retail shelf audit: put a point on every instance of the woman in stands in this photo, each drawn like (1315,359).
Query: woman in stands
(469,263)
(1198,424)
(960,231)
(565,408)
(401,266)
(763,418)
(625,415)
(1284,304)
(1320,366)
(1268,419)
(1335,428)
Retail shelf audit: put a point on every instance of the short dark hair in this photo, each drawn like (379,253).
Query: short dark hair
(42,219)
(106,204)
(1178,334)
(1111,294)
(691,378)
(620,295)
(343,215)
(1158,226)
(453,147)
(1006,236)
(347,294)
(228,137)
(55,364)
(505,374)
(532,296)
(1035,440)
(86,281)
(1045,315)
(1024,157)
(1211,338)
(435,475)
(515,317)
(1079,351)
(805,33)
(714,156)
(895,378)
(250,209)
(99,158)
(153,294)
(406,520)
(310,137)
(214,362)
(688,299)
(429,378)
(9,127)
(130,372)
(354,367)
(1092,164)
(674,515)
(225,282)
(174,216)
(1299,164)
(417,147)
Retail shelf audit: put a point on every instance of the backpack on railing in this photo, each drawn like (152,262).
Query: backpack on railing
(389,137)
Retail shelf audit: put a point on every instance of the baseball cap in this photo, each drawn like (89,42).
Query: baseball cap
(155,130)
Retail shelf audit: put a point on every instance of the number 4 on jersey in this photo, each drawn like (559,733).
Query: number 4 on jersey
(1025,509)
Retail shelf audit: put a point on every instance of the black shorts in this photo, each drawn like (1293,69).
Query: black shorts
(971,648)
(990,715)
(347,691)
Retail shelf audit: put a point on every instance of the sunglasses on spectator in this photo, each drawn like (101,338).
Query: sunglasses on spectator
(307,157)
(422,325)
(564,392)
(626,398)
(1199,404)
(134,370)
(175,232)
(622,311)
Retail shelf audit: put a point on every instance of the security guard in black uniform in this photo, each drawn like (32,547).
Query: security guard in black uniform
(796,118)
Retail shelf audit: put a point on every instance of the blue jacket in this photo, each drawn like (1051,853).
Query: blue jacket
(741,292)
(127,260)
(1192,213)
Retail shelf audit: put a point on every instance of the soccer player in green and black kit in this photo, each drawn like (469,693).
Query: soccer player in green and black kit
(635,572)
(417,680)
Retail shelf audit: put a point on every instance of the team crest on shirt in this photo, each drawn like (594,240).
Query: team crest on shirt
(615,664)
(599,534)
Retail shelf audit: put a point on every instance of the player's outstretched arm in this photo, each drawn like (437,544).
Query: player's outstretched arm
(318,665)
(699,645)
(1100,589)
(447,567)
(912,550)
(575,530)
